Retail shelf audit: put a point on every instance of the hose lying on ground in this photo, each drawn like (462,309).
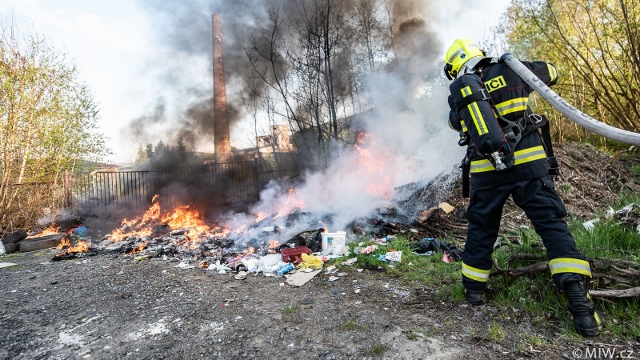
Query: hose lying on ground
(582,119)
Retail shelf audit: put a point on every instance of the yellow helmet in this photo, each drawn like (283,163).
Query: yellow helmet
(459,54)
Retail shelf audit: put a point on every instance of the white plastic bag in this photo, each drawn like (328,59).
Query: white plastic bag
(268,262)
(2,249)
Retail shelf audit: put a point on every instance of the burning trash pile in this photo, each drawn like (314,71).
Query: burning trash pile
(242,243)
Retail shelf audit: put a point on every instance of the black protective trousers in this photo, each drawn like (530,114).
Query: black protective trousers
(541,204)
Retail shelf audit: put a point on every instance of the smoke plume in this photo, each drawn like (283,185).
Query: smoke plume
(405,138)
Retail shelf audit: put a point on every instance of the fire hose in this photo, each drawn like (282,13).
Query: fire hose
(575,115)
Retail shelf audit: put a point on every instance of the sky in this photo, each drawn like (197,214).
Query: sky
(140,61)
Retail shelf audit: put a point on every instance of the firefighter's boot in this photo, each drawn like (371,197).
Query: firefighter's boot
(586,317)
(474,297)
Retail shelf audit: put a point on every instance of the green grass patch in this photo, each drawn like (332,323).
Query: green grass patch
(10,256)
(496,332)
(351,324)
(413,334)
(290,309)
(413,268)
(378,349)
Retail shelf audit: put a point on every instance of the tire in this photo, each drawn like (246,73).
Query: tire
(10,247)
(14,237)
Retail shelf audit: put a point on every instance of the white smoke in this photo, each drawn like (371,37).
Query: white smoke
(407,140)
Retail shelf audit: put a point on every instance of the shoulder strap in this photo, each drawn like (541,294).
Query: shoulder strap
(548,147)
(481,94)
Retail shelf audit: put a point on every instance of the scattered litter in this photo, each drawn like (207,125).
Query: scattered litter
(446,207)
(284,269)
(590,225)
(369,249)
(342,274)
(301,278)
(394,256)
(241,275)
(350,261)
(382,257)
(333,243)
(310,262)
(431,244)
(330,269)
(333,278)
(610,213)
(357,291)
(185,265)
(359,270)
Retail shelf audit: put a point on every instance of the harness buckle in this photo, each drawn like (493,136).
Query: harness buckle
(536,118)
(484,93)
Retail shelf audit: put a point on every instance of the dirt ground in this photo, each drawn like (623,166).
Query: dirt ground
(115,307)
(111,306)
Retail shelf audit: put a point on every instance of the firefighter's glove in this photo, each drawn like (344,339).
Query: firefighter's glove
(464,139)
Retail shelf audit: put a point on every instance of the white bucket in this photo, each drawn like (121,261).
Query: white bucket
(334,243)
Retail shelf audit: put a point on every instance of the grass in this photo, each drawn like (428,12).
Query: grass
(378,349)
(290,309)
(496,332)
(10,256)
(412,334)
(352,325)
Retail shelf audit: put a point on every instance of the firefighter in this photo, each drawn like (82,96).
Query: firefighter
(506,156)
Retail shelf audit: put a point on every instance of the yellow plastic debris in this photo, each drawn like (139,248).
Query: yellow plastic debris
(310,262)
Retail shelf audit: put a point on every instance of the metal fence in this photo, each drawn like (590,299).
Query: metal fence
(221,183)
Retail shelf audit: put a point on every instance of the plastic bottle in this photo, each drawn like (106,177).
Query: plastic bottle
(284,269)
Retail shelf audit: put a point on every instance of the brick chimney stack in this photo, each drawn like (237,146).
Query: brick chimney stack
(220,119)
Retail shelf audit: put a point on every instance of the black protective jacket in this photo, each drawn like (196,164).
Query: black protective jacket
(510,94)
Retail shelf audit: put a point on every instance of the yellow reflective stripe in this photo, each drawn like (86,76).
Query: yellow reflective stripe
(478,119)
(455,55)
(552,72)
(474,110)
(520,157)
(597,317)
(569,265)
(529,154)
(481,166)
(464,126)
(513,105)
(475,273)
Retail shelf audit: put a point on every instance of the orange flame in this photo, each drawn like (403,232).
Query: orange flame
(80,247)
(290,204)
(273,244)
(261,216)
(52,229)
(138,249)
(374,162)
(182,217)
